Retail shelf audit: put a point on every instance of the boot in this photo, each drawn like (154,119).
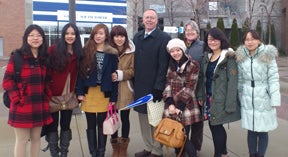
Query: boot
(65,138)
(123,145)
(102,139)
(52,139)
(115,147)
(92,141)
(253,155)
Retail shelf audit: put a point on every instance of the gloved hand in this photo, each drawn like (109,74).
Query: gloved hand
(181,106)
(157,95)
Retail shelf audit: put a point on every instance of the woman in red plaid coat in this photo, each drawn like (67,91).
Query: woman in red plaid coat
(29,107)
(179,93)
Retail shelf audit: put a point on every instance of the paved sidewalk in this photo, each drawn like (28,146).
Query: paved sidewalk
(237,146)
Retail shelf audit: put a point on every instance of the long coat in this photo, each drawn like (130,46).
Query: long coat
(258,99)
(125,73)
(30,96)
(150,64)
(181,87)
(58,79)
(225,107)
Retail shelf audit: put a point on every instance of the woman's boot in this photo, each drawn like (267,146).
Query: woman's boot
(123,146)
(115,147)
(253,155)
(65,138)
(92,141)
(52,139)
(102,139)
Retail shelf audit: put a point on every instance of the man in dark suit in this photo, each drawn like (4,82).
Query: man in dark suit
(151,63)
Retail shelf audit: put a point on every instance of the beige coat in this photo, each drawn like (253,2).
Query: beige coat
(125,75)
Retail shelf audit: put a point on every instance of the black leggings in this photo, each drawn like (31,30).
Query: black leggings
(94,119)
(65,120)
(188,146)
(219,136)
(125,130)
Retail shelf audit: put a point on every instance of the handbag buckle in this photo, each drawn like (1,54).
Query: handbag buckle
(63,105)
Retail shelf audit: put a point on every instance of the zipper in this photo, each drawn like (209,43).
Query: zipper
(252,85)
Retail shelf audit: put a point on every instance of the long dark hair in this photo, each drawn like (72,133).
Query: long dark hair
(90,48)
(60,57)
(119,30)
(218,34)
(42,50)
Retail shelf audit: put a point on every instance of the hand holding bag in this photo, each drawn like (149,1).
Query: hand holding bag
(112,122)
(155,111)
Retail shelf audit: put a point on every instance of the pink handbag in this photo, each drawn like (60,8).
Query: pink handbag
(112,122)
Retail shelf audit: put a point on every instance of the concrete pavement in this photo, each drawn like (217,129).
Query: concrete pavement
(237,145)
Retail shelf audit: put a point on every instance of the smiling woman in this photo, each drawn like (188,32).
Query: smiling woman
(64,58)
(29,106)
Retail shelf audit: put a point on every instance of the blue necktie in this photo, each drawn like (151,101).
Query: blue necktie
(145,35)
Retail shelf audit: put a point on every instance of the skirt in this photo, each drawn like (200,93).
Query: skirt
(95,101)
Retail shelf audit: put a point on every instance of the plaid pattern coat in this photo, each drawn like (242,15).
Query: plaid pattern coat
(181,86)
(30,96)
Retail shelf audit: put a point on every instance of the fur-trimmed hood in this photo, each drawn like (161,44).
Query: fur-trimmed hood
(110,50)
(265,53)
(132,47)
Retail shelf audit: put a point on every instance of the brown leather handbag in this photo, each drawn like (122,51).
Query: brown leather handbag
(64,102)
(170,132)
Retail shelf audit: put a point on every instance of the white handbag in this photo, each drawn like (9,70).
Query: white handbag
(112,122)
(155,112)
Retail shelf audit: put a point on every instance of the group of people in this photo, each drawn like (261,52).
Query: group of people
(197,80)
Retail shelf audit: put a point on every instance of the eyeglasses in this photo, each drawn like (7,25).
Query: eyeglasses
(193,32)
(34,36)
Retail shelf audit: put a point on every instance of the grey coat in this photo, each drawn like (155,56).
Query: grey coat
(196,50)
(225,106)
(150,64)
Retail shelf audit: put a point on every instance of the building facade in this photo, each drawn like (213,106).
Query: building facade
(52,15)
(13,23)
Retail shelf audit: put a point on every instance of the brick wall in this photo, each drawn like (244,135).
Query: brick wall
(12,24)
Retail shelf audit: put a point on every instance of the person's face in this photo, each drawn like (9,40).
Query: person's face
(70,36)
(190,33)
(176,53)
(214,44)
(150,20)
(251,43)
(100,36)
(119,40)
(34,39)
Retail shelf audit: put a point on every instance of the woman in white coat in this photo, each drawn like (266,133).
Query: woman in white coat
(258,87)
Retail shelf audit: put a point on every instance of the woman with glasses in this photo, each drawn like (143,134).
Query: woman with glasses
(219,86)
(195,49)
(29,107)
